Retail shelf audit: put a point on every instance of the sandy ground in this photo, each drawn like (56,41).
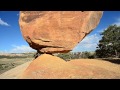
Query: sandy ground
(15,72)
(51,67)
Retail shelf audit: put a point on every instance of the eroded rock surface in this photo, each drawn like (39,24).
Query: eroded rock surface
(57,31)
(51,67)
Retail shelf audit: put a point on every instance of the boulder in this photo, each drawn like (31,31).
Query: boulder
(57,31)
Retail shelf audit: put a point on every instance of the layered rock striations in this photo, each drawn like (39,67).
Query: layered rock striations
(57,31)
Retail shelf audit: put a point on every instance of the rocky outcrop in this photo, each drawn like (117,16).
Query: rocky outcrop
(57,31)
(51,67)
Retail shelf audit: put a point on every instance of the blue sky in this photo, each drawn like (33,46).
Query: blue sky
(11,40)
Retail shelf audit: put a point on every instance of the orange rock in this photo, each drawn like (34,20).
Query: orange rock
(47,66)
(57,31)
(51,67)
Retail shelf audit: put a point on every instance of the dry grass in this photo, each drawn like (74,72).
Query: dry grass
(7,64)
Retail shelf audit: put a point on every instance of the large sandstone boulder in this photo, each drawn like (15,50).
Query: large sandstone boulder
(57,31)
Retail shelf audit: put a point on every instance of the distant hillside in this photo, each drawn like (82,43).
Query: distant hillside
(16,55)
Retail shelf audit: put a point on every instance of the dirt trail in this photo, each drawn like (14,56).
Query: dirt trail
(15,72)
(52,67)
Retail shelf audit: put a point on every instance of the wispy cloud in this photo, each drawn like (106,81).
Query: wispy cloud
(5,51)
(89,43)
(101,30)
(117,22)
(18,14)
(3,23)
(21,49)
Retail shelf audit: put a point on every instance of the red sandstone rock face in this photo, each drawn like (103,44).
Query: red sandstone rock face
(57,31)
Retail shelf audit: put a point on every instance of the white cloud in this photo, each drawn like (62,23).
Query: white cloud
(3,23)
(18,14)
(101,30)
(117,22)
(89,43)
(21,49)
(5,51)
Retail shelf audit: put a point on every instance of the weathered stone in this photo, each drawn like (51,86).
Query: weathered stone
(51,67)
(57,31)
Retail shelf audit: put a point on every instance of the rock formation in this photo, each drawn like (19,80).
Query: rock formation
(51,67)
(57,31)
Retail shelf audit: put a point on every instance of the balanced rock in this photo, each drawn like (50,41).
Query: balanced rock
(57,31)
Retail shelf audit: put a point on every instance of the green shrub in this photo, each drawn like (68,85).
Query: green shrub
(65,56)
(77,55)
